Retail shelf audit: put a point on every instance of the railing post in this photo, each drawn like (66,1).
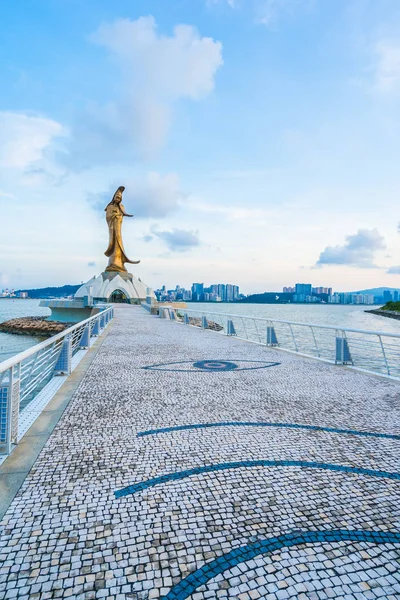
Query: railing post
(244,329)
(230,328)
(84,342)
(96,328)
(172,314)
(272,340)
(186,319)
(315,342)
(343,356)
(204,323)
(293,337)
(9,410)
(64,362)
(384,355)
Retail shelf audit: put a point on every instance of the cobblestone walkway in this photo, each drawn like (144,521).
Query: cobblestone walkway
(193,465)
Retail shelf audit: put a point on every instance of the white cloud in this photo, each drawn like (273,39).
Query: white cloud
(7,195)
(266,12)
(152,72)
(231,3)
(182,65)
(258,216)
(358,251)
(177,240)
(26,139)
(394,270)
(156,196)
(387,67)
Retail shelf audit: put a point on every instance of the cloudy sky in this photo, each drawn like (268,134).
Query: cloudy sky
(258,140)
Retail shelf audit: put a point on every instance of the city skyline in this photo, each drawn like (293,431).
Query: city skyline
(231,292)
(272,159)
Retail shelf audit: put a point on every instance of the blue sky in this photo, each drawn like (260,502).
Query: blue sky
(258,140)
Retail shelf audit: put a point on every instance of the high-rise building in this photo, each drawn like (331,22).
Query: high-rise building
(387,296)
(229,292)
(198,292)
(395,295)
(222,291)
(303,289)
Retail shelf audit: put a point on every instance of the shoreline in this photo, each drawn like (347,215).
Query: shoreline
(390,314)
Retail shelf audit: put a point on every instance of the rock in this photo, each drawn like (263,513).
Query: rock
(36,326)
(384,313)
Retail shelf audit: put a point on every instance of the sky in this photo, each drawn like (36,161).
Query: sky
(258,141)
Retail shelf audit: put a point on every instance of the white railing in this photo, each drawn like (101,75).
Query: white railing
(372,351)
(24,376)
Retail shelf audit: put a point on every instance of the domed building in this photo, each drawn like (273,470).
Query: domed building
(114,287)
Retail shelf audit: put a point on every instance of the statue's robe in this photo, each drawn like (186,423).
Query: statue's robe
(115,250)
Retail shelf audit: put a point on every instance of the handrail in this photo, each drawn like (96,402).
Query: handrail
(24,378)
(17,358)
(370,351)
(396,335)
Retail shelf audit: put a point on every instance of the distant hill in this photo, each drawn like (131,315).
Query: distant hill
(376,291)
(268,298)
(52,292)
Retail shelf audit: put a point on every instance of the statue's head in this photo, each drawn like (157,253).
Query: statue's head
(117,198)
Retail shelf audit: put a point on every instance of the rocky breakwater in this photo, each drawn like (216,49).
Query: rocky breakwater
(391,314)
(210,324)
(36,326)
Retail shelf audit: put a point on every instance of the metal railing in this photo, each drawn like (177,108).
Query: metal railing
(372,351)
(24,376)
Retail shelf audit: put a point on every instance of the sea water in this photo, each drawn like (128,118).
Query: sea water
(10,308)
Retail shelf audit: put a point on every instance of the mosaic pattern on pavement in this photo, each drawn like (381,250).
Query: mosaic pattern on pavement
(245,482)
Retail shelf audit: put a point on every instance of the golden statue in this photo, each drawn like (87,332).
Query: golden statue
(115,212)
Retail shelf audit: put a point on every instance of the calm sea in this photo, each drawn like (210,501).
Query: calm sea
(11,344)
(353,317)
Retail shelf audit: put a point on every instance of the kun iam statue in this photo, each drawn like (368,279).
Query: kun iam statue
(115,212)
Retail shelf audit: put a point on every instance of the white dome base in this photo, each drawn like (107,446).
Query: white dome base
(107,283)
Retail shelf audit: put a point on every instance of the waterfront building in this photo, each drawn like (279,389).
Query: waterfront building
(198,292)
(222,291)
(334,298)
(303,289)
(387,296)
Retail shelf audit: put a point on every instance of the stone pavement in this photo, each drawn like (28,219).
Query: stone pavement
(193,465)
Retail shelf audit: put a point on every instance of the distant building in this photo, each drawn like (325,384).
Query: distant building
(198,292)
(395,296)
(387,296)
(303,292)
(303,289)
(222,291)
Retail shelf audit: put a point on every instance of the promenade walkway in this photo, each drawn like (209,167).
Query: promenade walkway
(193,465)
